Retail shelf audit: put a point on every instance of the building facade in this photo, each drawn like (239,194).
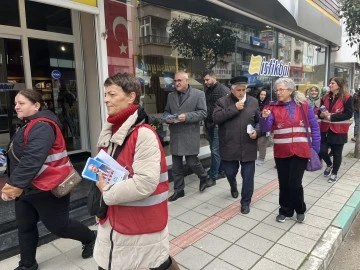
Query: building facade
(66,49)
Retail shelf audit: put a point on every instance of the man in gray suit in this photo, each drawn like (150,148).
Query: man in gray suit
(184,110)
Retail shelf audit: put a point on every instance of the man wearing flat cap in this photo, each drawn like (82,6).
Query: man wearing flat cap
(237,118)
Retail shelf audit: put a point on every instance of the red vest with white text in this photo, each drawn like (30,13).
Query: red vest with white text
(338,107)
(290,138)
(57,165)
(148,215)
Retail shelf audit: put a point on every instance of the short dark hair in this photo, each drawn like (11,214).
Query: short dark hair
(127,82)
(210,73)
(34,96)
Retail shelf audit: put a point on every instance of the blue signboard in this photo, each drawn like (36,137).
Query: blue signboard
(56,74)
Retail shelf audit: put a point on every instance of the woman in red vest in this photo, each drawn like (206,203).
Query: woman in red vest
(134,233)
(38,162)
(334,126)
(288,118)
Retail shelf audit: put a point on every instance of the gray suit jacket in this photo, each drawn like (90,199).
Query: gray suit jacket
(185,136)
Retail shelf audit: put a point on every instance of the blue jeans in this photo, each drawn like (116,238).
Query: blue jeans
(356,126)
(213,137)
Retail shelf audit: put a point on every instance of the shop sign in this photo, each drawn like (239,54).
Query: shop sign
(273,68)
(11,86)
(56,74)
(86,2)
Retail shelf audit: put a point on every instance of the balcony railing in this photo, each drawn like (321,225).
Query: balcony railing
(151,39)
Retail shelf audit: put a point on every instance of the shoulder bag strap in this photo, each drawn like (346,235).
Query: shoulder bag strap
(120,147)
(306,125)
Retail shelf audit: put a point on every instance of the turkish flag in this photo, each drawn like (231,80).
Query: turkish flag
(118,21)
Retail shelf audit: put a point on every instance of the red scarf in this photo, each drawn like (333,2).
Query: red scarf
(119,119)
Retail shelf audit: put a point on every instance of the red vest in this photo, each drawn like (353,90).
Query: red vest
(290,138)
(57,165)
(338,107)
(148,215)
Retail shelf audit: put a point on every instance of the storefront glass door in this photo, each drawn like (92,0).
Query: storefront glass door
(11,80)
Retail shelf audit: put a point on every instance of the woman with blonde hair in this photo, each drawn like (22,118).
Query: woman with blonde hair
(290,117)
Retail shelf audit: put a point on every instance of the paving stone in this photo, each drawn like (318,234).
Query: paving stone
(344,186)
(178,227)
(239,257)
(322,212)
(255,243)
(256,214)
(90,264)
(271,198)
(310,199)
(286,256)
(341,192)
(65,245)
(212,244)
(242,222)
(269,232)
(192,218)
(61,262)
(307,231)
(207,209)
(265,206)
(268,265)
(189,203)
(332,205)
(224,202)
(228,232)
(328,244)
(315,186)
(335,198)
(176,210)
(218,264)
(202,196)
(354,201)
(313,192)
(48,251)
(297,242)
(193,258)
(10,263)
(317,221)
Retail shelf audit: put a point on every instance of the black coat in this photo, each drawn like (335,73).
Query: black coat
(32,155)
(235,143)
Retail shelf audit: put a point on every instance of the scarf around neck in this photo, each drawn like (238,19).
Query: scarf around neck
(119,119)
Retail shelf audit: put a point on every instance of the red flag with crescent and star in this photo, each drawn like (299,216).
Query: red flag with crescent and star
(118,21)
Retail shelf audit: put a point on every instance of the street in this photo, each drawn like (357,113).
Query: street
(347,256)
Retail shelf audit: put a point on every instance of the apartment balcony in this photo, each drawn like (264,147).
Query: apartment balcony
(151,39)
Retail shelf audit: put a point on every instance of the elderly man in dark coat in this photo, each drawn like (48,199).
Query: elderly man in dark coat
(237,117)
(184,110)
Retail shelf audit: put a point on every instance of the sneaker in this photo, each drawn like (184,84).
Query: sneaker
(332,178)
(300,218)
(260,162)
(88,249)
(353,139)
(280,218)
(328,171)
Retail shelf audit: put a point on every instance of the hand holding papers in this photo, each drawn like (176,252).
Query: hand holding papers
(111,170)
(171,118)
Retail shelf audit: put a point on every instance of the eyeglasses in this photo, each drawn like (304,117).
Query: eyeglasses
(280,90)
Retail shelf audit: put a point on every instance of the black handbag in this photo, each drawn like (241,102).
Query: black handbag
(95,202)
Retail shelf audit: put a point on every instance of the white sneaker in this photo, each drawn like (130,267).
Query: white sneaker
(332,178)
(260,162)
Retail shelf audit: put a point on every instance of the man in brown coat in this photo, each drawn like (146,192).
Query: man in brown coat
(237,117)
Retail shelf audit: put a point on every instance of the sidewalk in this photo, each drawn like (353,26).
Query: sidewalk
(208,232)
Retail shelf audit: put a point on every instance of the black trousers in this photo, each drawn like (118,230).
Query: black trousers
(290,173)
(231,169)
(54,214)
(177,170)
(336,150)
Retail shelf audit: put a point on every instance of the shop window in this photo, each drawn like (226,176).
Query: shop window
(9,13)
(53,75)
(48,18)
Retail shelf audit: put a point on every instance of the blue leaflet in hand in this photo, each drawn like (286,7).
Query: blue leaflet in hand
(93,166)
(174,116)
